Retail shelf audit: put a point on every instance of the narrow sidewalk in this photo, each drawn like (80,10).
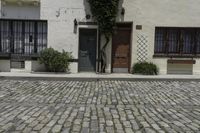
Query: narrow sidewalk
(95,76)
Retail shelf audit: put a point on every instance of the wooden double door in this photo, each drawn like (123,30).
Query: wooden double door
(121,55)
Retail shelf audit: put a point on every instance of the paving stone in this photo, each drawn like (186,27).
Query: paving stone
(34,123)
(38,127)
(155,126)
(127,124)
(51,123)
(163,124)
(57,128)
(149,130)
(145,124)
(21,127)
(61,121)
(109,123)
(65,130)
(128,130)
(134,125)
(45,130)
(85,130)
(76,128)
(177,123)
(27,130)
(110,129)
(119,126)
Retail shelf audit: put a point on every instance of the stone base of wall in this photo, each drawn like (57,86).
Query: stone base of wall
(4,65)
(37,67)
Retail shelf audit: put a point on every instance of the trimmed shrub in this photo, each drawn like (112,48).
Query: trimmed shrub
(54,60)
(145,68)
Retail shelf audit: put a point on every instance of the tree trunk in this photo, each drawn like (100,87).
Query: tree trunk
(104,55)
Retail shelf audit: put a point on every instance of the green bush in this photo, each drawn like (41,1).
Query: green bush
(145,68)
(54,60)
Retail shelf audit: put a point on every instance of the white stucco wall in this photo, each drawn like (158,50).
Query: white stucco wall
(20,11)
(60,16)
(4,65)
(149,14)
(36,66)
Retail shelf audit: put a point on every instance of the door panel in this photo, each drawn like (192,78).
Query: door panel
(121,51)
(87,50)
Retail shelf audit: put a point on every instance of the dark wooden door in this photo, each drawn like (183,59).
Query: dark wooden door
(121,51)
(87,50)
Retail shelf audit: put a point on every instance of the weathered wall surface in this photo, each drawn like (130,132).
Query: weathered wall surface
(4,65)
(61,31)
(149,14)
(60,16)
(20,11)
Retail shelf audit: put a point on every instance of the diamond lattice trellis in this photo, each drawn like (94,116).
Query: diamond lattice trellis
(142,51)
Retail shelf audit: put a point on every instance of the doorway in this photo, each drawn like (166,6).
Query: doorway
(87,50)
(121,49)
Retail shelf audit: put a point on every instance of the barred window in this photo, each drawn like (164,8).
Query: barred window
(172,42)
(177,41)
(25,37)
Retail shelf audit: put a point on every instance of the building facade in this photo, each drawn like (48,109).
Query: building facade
(164,32)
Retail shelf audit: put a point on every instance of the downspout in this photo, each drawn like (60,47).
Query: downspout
(0,8)
(99,48)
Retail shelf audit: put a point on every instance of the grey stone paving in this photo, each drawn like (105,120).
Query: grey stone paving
(99,106)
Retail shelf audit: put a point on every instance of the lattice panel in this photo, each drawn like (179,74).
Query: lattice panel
(142,48)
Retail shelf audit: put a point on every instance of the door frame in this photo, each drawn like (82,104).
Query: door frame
(97,45)
(124,26)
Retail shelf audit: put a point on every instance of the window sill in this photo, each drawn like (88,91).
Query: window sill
(176,56)
(171,61)
(9,56)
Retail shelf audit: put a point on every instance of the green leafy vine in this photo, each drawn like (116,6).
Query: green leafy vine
(104,12)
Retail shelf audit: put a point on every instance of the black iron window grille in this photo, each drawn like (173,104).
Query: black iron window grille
(177,41)
(22,37)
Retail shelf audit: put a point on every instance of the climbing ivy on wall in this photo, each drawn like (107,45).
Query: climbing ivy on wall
(104,12)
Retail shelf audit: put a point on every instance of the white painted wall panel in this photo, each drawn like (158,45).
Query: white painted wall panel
(60,16)
(180,69)
(149,14)
(4,65)
(21,12)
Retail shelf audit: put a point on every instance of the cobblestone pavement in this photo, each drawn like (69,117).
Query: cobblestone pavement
(99,106)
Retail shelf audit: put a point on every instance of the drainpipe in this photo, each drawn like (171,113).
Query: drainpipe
(99,48)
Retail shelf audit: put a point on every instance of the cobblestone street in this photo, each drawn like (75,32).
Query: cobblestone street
(99,106)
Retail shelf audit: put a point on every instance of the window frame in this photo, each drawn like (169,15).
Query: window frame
(195,31)
(34,35)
